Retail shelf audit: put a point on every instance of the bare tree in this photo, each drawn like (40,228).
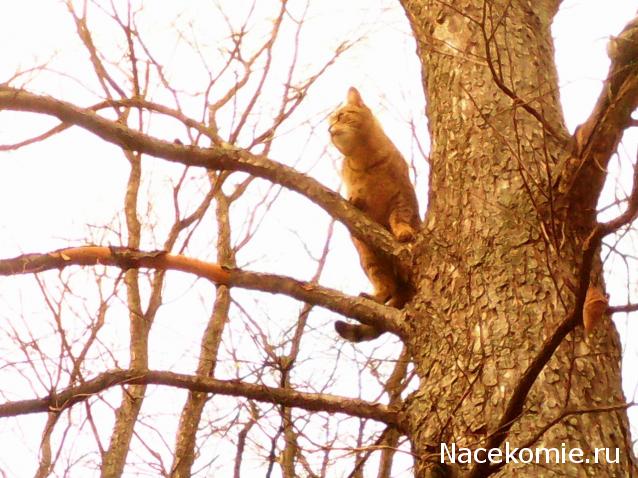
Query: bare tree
(509,248)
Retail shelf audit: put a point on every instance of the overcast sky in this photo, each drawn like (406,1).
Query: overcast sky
(51,191)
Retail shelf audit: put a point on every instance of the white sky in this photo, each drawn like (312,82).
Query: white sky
(51,191)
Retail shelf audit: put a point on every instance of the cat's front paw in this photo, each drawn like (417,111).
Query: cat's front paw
(404,233)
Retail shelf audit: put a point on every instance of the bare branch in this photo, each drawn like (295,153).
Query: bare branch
(36,139)
(597,138)
(626,217)
(219,158)
(364,310)
(235,388)
(615,309)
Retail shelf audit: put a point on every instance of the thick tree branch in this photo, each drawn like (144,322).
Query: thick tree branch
(597,138)
(364,310)
(139,103)
(57,401)
(217,158)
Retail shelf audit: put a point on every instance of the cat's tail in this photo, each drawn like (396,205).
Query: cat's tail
(357,333)
(363,332)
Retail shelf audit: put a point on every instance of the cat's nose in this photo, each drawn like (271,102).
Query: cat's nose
(333,130)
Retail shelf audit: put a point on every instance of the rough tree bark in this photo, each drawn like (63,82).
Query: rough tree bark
(500,262)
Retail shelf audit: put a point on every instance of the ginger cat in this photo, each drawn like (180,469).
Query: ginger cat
(377,182)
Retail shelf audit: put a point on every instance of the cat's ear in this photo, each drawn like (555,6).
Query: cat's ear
(354,97)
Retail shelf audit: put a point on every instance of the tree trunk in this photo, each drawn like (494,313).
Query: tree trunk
(498,269)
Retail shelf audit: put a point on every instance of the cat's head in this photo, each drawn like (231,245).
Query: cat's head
(350,123)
